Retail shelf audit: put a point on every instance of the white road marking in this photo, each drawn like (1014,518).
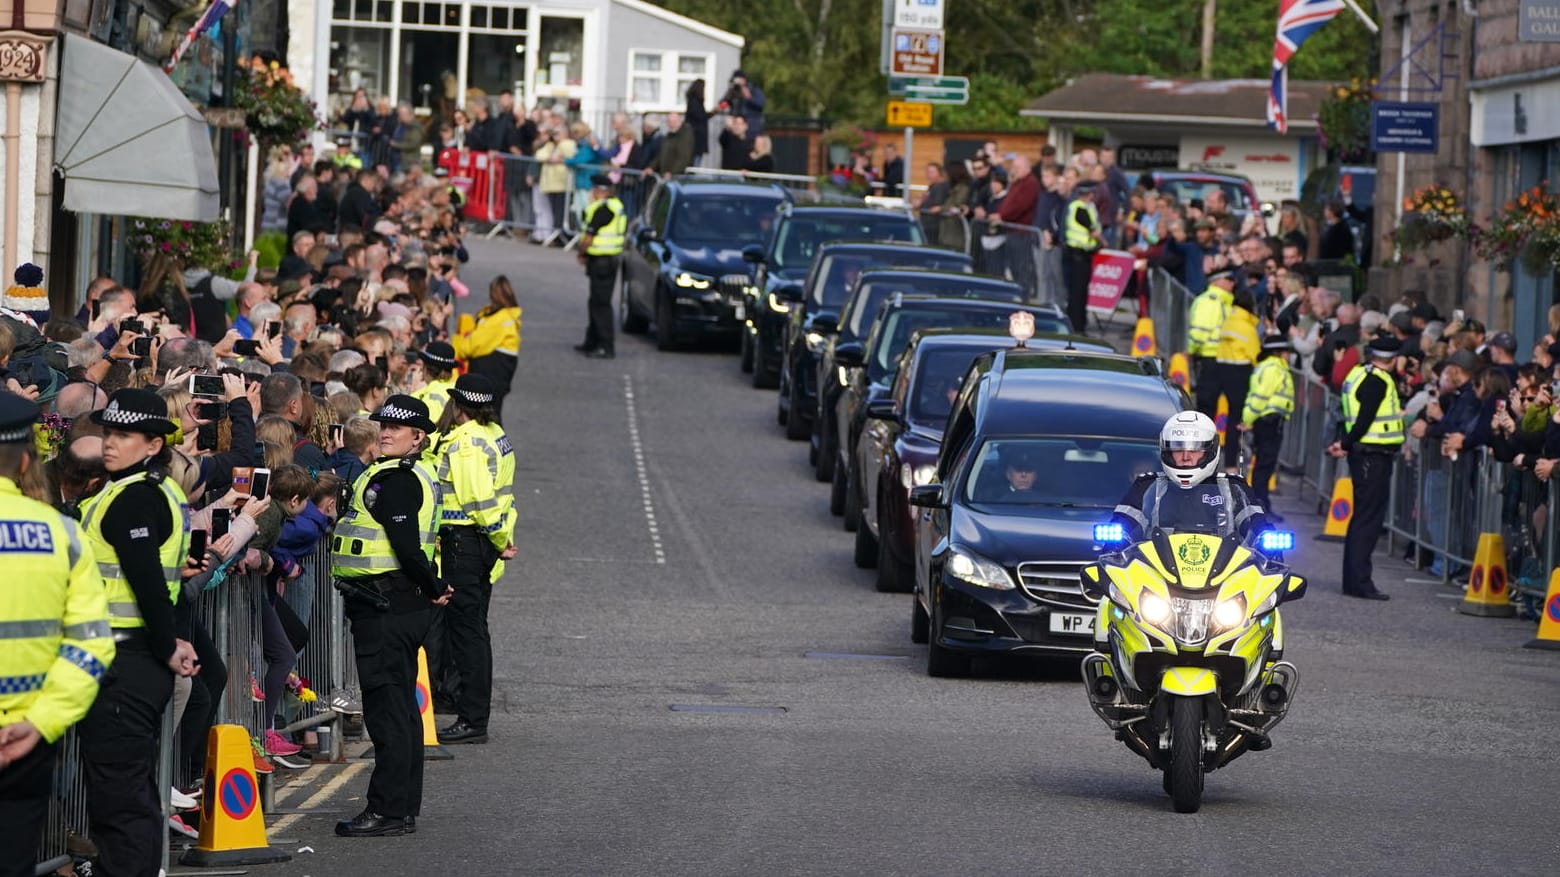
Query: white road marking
(641,470)
(320,797)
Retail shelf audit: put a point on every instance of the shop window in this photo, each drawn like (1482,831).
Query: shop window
(561,52)
(496,62)
(359,58)
(658,80)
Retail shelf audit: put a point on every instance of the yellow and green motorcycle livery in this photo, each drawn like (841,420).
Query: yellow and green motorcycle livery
(1188,642)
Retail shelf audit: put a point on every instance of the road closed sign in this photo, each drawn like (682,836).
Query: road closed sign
(1108,281)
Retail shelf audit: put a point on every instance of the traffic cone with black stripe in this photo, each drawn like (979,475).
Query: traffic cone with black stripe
(1549,618)
(1489,591)
(232,824)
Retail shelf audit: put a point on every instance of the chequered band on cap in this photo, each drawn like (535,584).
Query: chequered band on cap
(441,360)
(116,415)
(390,412)
(20,434)
(472,398)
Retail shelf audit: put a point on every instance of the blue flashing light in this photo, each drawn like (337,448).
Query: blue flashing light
(1110,534)
(1276,540)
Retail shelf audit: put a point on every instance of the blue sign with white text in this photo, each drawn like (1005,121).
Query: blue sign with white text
(1404,127)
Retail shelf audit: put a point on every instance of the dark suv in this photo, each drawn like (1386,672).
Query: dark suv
(1039,447)
(688,239)
(815,319)
(780,265)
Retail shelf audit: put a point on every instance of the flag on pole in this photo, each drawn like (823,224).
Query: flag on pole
(208,19)
(1297,20)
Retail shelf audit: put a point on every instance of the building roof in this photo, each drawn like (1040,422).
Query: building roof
(1108,97)
(683,21)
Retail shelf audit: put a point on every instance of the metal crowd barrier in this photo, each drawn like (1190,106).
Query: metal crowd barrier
(520,193)
(1169,303)
(1442,504)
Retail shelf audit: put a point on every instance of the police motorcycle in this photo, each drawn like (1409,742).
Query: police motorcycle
(1188,667)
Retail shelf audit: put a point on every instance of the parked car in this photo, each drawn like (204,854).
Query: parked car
(1187,185)
(814,319)
(780,265)
(875,287)
(1039,447)
(682,249)
(898,447)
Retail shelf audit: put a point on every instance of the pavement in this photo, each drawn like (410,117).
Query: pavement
(676,553)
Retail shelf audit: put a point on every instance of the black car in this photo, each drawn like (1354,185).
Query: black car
(683,267)
(870,368)
(873,288)
(815,318)
(1039,447)
(781,263)
(898,447)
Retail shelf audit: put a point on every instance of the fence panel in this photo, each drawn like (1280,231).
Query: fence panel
(1169,302)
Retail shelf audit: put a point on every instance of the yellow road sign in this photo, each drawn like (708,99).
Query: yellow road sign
(908,114)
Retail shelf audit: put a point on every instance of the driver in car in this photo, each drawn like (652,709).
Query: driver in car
(1021,470)
(1190,494)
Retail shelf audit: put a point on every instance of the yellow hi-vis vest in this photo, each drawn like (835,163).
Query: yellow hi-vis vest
(609,240)
(476,480)
(436,395)
(1387,427)
(55,642)
(123,611)
(1205,322)
(1272,391)
(1076,236)
(359,547)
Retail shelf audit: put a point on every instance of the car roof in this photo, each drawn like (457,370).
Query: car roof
(728,188)
(912,273)
(1086,393)
(835,248)
(944,338)
(972,303)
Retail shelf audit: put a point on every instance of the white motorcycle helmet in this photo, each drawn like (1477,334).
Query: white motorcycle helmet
(1189,431)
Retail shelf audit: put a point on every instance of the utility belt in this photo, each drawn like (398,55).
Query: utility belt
(130,638)
(377,591)
(1377,448)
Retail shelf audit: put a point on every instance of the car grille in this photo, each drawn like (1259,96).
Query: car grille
(1056,584)
(734,287)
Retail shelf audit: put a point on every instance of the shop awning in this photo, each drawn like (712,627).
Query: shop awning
(128,142)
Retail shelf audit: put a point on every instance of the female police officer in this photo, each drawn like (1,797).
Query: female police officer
(476,471)
(383,563)
(137,528)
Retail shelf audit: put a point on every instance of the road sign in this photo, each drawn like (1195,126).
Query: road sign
(943,90)
(924,14)
(917,53)
(903,114)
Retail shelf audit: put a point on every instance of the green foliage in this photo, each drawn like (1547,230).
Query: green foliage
(993,106)
(272,246)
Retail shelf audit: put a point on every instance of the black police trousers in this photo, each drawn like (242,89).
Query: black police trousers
(1372,474)
(385,644)
(24,802)
(1267,436)
(603,274)
(466,561)
(119,761)
(1077,267)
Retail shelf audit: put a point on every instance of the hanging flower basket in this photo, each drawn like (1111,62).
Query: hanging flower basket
(1343,121)
(1431,215)
(1526,230)
(187,244)
(276,110)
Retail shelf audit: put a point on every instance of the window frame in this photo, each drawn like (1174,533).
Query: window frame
(669,76)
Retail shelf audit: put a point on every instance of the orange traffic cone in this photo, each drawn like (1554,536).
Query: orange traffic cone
(432,751)
(1549,622)
(1488,595)
(1143,337)
(232,826)
(1181,371)
(1221,416)
(1339,510)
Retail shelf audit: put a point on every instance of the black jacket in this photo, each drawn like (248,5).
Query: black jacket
(358,208)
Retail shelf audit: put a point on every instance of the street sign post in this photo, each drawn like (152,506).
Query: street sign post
(916,53)
(904,114)
(931,89)
(924,14)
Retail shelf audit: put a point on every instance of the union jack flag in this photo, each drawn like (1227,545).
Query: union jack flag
(1297,20)
(207,21)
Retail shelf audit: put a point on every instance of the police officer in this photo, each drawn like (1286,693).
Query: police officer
(1268,405)
(1081,237)
(1190,493)
(137,529)
(439,363)
(476,482)
(1204,329)
(55,642)
(601,249)
(383,561)
(1372,435)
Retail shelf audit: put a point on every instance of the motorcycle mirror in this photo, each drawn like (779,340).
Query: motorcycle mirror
(1292,589)
(1092,580)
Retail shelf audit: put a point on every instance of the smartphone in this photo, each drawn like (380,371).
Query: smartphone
(259,452)
(246,347)
(212,411)
(206,437)
(317,388)
(206,385)
(141,347)
(1458,316)
(260,483)
(336,432)
(96,308)
(221,520)
(383,362)
(273,329)
(197,545)
(135,326)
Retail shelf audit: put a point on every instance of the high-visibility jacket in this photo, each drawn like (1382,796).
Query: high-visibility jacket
(1206,319)
(1238,341)
(123,610)
(347,162)
(1272,391)
(359,547)
(55,642)
(608,241)
(1075,236)
(1387,427)
(476,478)
(498,332)
(436,395)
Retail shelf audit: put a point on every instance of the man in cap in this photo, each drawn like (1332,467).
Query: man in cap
(58,645)
(1081,238)
(1371,436)
(1268,405)
(476,473)
(137,529)
(1502,349)
(383,560)
(601,249)
(438,361)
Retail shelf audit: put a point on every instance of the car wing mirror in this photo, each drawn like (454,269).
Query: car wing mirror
(825,323)
(753,253)
(1091,580)
(881,409)
(927,496)
(850,354)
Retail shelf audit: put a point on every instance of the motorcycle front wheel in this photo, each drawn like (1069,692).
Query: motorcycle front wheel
(1184,776)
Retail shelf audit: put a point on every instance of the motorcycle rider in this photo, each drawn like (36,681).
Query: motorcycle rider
(1190,493)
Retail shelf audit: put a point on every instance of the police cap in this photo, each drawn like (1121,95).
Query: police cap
(474,391)
(439,353)
(133,409)
(405,411)
(601,180)
(1276,342)
(17,416)
(1384,347)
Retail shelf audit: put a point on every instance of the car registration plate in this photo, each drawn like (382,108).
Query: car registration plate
(1072,622)
(739,311)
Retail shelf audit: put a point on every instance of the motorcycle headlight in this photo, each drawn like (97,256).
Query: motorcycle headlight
(814,342)
(1153,608)
(976,570)
(1229,613)
(688,281)
(778,305)
(914,476)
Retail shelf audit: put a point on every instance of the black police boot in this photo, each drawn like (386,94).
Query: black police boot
(601,353)
(461,732)
(371,824)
